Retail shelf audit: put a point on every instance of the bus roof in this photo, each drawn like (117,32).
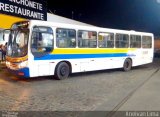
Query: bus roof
(96,28)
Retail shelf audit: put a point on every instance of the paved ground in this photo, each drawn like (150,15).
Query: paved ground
(146,97)
(103,90)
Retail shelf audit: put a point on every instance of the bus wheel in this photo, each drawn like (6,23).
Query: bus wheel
(127,65)
(62,71)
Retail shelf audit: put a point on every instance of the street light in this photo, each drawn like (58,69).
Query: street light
(158,1)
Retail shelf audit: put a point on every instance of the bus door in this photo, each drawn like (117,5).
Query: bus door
(41,47)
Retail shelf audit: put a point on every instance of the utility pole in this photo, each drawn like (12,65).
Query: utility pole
(72,14)
(79,16)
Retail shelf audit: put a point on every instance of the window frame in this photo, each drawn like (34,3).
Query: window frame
(122,34)
(150,43)
(130,40)
(96,40)
(40,54)
(65,29)
(113,39)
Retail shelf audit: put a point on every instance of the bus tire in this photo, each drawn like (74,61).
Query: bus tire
(127,65)
(62,71)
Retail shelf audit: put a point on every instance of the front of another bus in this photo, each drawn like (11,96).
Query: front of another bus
(17,49)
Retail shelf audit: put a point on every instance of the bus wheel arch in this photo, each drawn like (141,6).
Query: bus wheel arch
(62,70)
(127,65)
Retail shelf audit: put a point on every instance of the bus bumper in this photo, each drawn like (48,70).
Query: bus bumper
(24,72)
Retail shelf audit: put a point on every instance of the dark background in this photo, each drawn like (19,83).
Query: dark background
(139,15)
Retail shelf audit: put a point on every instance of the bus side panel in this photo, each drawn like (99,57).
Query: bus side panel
(42,68)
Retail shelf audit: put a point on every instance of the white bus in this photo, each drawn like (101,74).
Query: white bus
(41,48)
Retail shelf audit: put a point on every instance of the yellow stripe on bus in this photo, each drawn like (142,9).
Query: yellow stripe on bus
(18,59)
(89,51)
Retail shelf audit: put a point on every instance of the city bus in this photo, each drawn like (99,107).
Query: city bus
(42,48)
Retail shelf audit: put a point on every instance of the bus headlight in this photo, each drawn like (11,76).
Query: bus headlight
(23,64)
(7,63)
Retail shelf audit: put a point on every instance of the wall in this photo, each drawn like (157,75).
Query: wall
(157,44)
(157,48)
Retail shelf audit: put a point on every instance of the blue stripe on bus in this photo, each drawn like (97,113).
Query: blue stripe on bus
(80,56)
(23,70)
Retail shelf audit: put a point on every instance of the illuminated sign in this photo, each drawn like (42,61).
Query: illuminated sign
(29,9)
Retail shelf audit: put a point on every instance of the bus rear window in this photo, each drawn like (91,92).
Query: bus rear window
(147,42)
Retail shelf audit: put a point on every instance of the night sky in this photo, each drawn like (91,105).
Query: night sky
(139,15)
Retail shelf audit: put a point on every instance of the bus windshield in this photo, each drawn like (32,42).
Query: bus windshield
(17,43)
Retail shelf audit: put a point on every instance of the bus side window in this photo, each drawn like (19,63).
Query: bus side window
(122,40)
(87,39)
(42,40)
(135,41)
(65,38)
(105,40)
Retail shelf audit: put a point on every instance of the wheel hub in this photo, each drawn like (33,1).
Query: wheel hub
(63,71)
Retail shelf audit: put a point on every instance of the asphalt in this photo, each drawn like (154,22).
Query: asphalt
(147,97)
(136,90)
